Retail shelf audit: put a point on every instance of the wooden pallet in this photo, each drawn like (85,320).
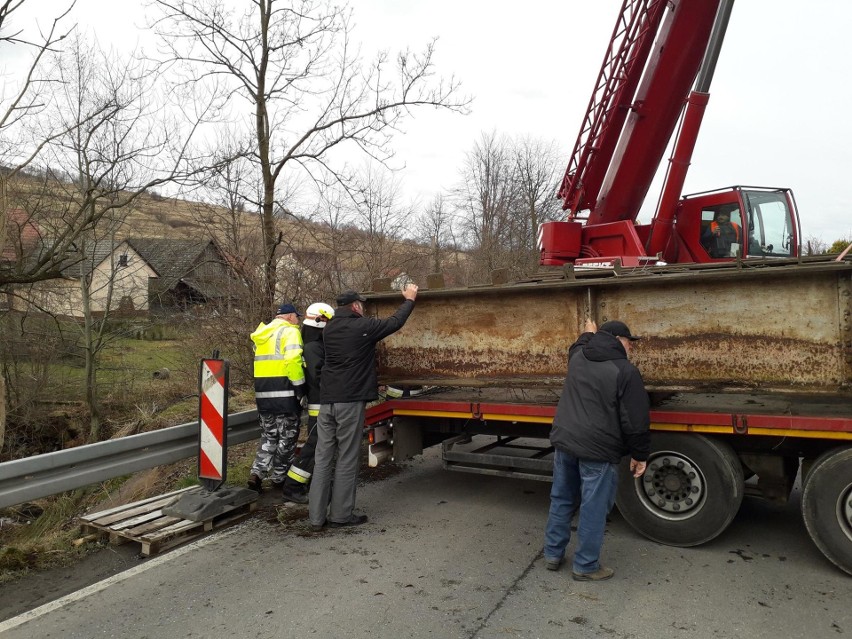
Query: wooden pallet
(144,522)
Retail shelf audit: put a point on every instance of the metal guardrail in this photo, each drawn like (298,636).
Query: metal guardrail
(42,475)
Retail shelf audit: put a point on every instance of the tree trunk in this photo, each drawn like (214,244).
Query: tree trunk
(262,130)
(270,243)
(90,366)
(92,397)
(3,372)
(436,255)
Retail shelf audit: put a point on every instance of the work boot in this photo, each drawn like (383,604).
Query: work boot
(255,483)
(552,564)
(354,520)
(598,575)
(294,495)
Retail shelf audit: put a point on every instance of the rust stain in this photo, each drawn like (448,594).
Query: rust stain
(751,359)
(466,363)
(786,333)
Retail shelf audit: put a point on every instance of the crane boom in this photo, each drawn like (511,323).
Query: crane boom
(671,70)
(658,50)
(617,81)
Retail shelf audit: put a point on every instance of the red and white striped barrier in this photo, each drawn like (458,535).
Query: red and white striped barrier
(213,423)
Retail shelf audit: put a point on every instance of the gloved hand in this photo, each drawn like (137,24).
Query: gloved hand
(301,396)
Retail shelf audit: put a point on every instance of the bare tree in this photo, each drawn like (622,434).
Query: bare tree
(381,219)
(505,192)
(486,199)
(109,136)
(435,227)
(28,98)
(537,175)
(294,65)
(110,141)
(332,223)
(31,91)
(814,245)
(94,330)
(104,140)
(230,194)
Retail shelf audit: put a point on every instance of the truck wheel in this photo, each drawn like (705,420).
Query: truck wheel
(827,506)
(690,492)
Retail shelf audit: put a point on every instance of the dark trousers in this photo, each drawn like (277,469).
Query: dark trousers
(340,428)
(300,471)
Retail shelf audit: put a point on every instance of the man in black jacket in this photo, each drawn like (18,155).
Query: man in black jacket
(348,382)
(602,416)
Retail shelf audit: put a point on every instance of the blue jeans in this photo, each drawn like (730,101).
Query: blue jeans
(590,487)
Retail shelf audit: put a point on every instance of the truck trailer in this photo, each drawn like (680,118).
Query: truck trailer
(749,368)
(747,351)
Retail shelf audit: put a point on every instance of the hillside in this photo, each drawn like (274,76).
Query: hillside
(149,215)
(350,256)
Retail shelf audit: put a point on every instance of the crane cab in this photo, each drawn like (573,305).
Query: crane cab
(752,222)
(713,226)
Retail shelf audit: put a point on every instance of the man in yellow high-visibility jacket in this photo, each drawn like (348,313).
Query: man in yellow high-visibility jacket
(279,385)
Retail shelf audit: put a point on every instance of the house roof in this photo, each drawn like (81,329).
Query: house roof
(22,234)
(89,255)
(175,260)
(170,258)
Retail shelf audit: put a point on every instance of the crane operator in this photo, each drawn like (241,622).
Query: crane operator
(722,238)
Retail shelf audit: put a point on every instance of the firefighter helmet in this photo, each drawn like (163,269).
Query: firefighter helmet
(318,314)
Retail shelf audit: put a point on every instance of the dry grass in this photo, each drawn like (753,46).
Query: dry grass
(36,543)
(39,535)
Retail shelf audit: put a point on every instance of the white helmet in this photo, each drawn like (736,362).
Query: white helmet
(318,314)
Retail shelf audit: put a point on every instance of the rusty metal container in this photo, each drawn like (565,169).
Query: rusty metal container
(780,326)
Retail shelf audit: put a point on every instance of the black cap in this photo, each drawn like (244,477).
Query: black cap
(347,297)
(286,309)
(618,329)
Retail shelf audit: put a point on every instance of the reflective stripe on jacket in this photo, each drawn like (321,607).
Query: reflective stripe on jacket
(279,377)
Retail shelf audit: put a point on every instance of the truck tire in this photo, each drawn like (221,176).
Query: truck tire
(827,506)
(689,494)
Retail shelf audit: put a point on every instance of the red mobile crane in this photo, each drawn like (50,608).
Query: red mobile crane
(748,361)
(642,90)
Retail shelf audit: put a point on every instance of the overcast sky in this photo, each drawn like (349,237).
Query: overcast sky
(778,113)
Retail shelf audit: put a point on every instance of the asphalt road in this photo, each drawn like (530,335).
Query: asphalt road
(456,555)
